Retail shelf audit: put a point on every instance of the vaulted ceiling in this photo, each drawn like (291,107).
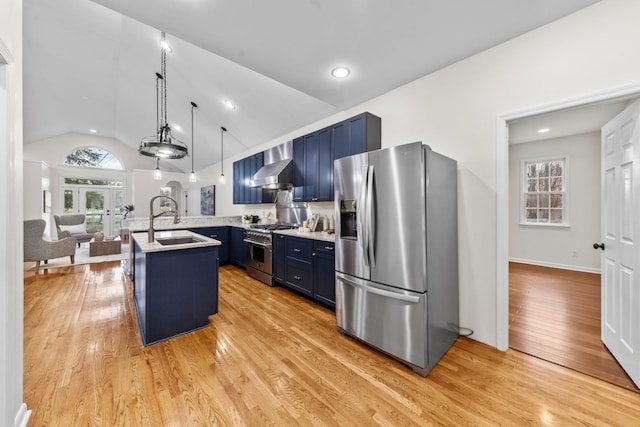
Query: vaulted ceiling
(92,64)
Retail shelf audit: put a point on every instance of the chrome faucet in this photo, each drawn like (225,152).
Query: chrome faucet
(176,216)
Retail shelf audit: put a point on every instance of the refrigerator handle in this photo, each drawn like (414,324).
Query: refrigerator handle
(361,219)
(381,292)
(371,219)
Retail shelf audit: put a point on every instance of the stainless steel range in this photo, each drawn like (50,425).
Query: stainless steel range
(260,252)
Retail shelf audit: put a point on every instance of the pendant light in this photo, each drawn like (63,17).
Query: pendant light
(157,175)
(222,179)
(192,176)
(163,144)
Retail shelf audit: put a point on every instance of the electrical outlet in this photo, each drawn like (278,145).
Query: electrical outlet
(574,254)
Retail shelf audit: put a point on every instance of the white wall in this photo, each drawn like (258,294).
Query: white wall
(32,185)
(552,246)
(455,110)
(37,177)
(145,187)
(12,409)
(54,151)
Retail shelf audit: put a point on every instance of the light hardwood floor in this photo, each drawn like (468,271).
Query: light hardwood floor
(270,357)
(555,315)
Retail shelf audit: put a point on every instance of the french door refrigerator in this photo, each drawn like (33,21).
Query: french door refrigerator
(397,252)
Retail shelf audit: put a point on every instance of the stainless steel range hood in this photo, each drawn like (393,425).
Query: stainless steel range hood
(277,172)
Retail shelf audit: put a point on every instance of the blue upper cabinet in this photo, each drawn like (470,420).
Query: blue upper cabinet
(238,174)
(246,188)
(325,165)
(256,161)
(319,166)
(313,156)
(298,169)
(311,148)
(243,170)
(356,135)
(313,173)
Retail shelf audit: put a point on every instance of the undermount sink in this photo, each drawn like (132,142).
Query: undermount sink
(177,240)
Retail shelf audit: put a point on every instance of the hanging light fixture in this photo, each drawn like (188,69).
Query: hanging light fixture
(222,179)
(162,144)
(192,176)
(157,175)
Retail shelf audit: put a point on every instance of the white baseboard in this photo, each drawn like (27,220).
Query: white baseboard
(555,265)
(22,417)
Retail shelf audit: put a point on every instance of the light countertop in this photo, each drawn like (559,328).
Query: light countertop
(166,223)
(317,235)
(200,241)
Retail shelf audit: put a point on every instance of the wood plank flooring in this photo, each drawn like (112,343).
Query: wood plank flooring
(554,314)
(270,357)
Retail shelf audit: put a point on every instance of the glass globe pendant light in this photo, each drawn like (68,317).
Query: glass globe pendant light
(157,175)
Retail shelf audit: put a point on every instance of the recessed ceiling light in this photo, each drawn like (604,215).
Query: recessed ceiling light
(340,72)
(543,130)
(177,128)
(166,46)
(93,130)
(230,105)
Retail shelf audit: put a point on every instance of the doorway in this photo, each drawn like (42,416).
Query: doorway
(504,213)
(102,203)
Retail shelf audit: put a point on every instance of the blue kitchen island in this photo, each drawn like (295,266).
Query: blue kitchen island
(176,283)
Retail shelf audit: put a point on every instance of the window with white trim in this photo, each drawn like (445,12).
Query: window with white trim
(544,192)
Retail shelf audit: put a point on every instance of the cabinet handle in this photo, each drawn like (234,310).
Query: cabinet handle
(313,199)
(213,236)
(297,250)
(297,277)
(328,248)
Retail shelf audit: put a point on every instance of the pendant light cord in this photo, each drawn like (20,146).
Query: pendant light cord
(223,130)
(163,71)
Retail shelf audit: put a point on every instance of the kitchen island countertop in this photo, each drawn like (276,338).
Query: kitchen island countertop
(200,241)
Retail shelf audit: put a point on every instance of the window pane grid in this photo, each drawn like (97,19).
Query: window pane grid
(544,192)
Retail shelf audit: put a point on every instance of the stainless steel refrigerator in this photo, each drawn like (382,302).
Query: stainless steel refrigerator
(397,252)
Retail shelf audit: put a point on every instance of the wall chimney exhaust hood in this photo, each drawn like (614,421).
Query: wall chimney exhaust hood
(277,172)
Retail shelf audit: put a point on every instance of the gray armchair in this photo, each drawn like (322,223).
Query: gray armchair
(73,226)
(37,249)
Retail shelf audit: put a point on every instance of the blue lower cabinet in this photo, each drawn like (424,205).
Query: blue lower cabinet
(306,266)
(299,276)
(324,273)
(278,258)
(298,248)
(175,291)
(218,233)
(238,247)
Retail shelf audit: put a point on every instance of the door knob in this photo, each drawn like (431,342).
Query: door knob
(598,246)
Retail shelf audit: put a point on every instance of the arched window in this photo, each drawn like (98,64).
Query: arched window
(93,157)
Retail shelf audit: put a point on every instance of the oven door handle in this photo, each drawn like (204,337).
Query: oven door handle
(253,242)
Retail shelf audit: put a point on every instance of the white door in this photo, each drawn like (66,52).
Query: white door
(620,288)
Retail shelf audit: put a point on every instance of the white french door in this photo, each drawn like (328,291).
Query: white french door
(620,287)
(102,206)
